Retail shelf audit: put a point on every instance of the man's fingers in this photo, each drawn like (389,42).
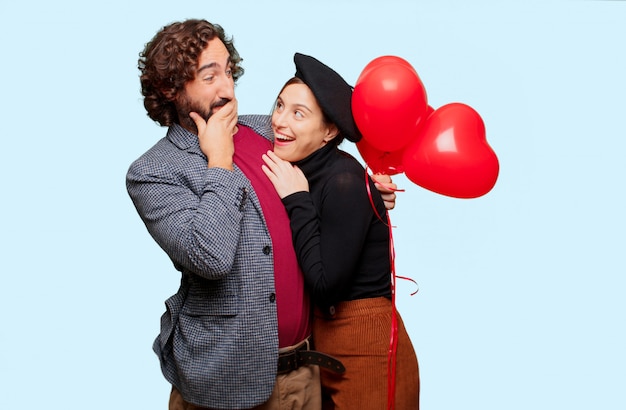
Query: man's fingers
(200,123)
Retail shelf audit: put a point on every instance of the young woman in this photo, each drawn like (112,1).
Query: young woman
(341,241)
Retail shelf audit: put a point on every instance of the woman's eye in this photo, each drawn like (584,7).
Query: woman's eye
(298,114)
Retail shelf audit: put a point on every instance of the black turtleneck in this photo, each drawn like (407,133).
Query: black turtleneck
(341,244)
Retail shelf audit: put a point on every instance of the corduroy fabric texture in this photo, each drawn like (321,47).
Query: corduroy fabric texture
(359,335)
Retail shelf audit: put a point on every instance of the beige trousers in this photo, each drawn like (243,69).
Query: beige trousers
(297,390)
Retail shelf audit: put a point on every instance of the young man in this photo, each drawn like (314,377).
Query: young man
(236,333)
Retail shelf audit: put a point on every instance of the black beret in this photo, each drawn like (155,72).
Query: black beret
(333,93)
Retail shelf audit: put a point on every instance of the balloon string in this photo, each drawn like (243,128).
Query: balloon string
(389,187)
(417,287)
(393,342)
(387,222)
(393,339)
(371,198)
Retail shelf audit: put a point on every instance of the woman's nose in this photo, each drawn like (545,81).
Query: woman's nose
(278,118)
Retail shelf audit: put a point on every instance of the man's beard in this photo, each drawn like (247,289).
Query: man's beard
(185,106)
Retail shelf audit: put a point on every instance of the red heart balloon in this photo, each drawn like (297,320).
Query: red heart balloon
(381,162)
(451,155)
(389,103)
(384,162)
(382,60)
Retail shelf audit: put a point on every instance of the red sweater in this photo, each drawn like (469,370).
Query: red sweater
(291,299)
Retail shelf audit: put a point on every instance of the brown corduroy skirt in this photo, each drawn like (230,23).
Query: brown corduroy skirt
(359,335)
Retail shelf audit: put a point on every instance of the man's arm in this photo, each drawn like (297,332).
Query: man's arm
(192,212)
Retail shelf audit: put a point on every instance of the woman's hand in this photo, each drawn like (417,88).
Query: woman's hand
(286,178)
(386,188)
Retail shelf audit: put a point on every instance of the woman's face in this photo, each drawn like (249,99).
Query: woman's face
(298,124)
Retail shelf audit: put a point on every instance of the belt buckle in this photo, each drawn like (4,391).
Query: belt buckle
(292,360)
(289,361)
(305,346)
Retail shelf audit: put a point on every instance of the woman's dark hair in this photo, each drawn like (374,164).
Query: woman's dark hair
(170,60)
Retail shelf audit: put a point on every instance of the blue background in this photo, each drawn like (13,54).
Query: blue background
(521,299)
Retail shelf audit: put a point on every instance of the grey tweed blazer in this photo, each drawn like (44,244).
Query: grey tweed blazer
(219,335)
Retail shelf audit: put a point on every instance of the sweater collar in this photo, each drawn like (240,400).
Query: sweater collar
(317,161)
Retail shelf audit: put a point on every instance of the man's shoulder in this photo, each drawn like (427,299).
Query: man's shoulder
(165,158)
(159,149)
(175,144)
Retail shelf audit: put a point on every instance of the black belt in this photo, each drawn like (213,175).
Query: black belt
(303,355)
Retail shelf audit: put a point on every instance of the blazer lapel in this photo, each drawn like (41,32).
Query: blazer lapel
(187,141)
(184,140)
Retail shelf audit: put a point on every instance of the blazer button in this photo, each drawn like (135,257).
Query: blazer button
(272,297)
(267,249)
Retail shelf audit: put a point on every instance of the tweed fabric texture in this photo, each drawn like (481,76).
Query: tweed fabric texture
(218,343)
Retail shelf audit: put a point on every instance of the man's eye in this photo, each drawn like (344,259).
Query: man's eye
(229,73)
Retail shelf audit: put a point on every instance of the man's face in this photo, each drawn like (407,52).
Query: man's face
(212,87)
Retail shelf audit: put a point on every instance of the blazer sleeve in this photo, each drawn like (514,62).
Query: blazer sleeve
(193,212)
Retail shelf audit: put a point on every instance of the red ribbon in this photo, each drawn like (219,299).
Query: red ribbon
(393,340)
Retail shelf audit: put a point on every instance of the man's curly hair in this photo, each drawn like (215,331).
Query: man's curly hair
(170,60)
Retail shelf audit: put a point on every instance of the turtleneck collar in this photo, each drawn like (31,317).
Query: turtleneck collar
(317,161)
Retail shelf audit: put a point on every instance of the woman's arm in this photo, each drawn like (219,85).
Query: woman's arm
(329,239)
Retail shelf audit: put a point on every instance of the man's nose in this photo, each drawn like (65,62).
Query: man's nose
(227,88)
